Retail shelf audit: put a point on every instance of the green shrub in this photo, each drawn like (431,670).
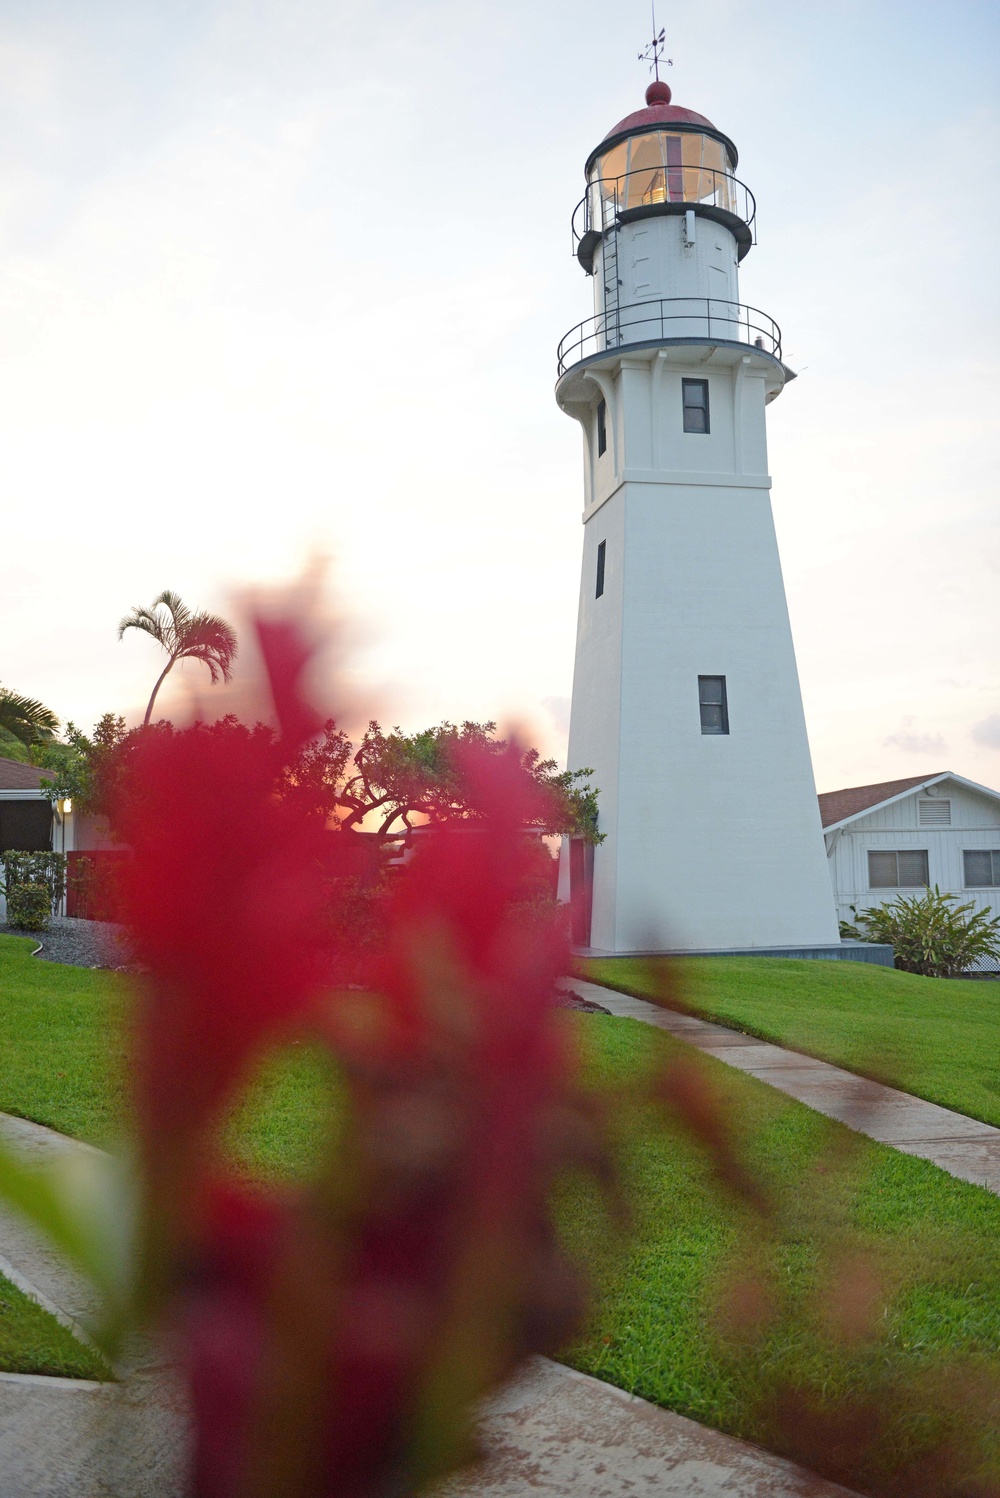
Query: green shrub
(932,934)
(48,869)
(29,907)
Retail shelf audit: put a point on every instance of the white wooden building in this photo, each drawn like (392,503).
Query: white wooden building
(902,835)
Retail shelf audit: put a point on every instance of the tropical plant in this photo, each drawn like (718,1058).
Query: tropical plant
(931,933)
(184,636)
(24,722)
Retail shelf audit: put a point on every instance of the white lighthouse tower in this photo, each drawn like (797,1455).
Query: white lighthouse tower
(686,699)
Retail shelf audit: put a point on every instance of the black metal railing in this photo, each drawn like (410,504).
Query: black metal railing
(667,188)
(669,319)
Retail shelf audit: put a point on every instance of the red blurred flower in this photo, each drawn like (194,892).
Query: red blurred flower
(338,1336)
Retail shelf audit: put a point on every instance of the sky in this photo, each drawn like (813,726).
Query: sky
(282,279)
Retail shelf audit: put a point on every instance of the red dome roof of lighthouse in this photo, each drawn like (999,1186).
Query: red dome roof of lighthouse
(659,111)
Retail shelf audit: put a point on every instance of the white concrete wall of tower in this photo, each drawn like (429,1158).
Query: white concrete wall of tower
(654,257)
(713,841)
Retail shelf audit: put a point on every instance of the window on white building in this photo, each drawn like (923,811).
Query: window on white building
(713,705)
(982,868)
(602,427)
(906,868)
(601,553)
(695,398)
(934,813)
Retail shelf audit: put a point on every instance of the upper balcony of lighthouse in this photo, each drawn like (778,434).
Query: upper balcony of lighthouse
(661,160)
(662,230)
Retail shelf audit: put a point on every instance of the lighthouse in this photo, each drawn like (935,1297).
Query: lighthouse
(686,702)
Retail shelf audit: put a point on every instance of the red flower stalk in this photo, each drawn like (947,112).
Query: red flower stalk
(338,1336)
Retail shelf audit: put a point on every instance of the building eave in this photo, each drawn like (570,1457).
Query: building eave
(913,790)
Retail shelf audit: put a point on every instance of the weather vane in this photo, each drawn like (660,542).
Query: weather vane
(654,52)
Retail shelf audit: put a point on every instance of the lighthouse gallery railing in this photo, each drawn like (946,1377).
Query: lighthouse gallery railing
(609,201)
(668,319)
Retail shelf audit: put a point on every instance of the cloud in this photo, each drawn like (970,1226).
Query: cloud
(558,710)
(911,741)
(988,732)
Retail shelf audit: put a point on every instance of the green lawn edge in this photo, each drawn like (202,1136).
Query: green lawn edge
(33,1341)
(933,1037)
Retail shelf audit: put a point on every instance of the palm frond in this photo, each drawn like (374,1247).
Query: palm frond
(210,639)
(146,620)
(26,719)
(180,614)
(201,637)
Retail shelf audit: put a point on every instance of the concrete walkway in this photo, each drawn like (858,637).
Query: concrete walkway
(558,1432)
(67,1437)
(551,1430)
(962,1146)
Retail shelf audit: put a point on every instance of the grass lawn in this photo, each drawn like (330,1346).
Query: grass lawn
(32,1341)
(933,1242)
(657,1330)
(935,1037)
(60,1043)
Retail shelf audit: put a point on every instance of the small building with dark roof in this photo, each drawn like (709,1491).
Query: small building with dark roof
(901,836)
(27,816)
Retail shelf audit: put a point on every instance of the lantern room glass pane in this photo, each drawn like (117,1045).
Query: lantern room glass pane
(660,167)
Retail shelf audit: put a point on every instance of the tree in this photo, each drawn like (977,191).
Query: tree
(184,636)
(386,785)
(85,769)
(931,933)
(394,781)
(24,722)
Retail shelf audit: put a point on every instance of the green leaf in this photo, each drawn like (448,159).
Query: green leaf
(84,1202)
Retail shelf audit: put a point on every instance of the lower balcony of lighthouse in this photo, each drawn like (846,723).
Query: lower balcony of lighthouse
(685,329)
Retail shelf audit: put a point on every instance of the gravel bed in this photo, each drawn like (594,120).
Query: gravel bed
(105,944)
(80,943)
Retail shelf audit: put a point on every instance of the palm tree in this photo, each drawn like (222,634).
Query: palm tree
(184,636)
(25,719)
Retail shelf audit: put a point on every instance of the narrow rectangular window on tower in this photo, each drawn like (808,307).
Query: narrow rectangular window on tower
(695,398)
(713,704)
(601,550)
(602,427)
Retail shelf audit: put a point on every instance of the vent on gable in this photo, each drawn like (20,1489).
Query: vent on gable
(934,813)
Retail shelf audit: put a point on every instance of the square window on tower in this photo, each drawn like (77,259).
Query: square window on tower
(713,705)
(695,398)
(602,427)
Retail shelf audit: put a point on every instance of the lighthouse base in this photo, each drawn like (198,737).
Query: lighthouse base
(845,951)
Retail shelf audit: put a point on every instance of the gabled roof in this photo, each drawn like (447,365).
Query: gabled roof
(836,807)
(15,776)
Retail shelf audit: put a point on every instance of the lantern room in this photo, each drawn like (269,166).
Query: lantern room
(662,160)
